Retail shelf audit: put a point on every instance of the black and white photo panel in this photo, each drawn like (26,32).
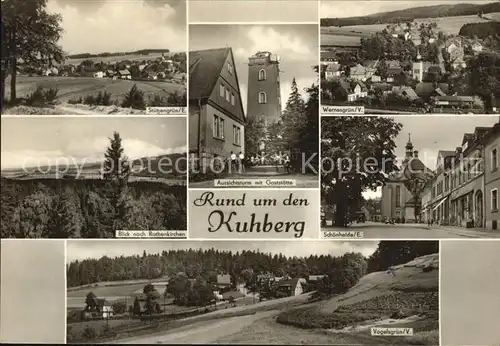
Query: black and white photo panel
(94,57)
(253,106)
(410,177)
(93,177)
(403,57)
(253,292)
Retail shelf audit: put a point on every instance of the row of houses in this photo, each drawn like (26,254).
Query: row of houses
(464,190)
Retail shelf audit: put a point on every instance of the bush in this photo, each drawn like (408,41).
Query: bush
(134,99)
(41,97)
(76,100)
(36,98)
(120,307)
(158,101)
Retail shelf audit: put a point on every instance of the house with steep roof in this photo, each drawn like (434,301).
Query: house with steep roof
(102,307)
(291,287)
(405,91)
(426,90)
(358,72)
(223,281)
(216,115)
(124,74)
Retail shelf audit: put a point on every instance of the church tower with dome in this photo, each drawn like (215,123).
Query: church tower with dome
(401,195)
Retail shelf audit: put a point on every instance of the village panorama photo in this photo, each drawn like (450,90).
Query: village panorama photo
(252,292)
(93,57)
(407,57)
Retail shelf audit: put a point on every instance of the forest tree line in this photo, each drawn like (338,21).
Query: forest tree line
(56,208)
(196,263)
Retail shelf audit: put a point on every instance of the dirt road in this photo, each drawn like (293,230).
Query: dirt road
(201,332)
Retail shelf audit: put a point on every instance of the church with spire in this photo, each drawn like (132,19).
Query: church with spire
(402,193)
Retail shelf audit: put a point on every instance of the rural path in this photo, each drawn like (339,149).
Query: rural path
(202,332)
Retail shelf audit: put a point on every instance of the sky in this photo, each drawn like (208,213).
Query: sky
(79,250)
(297,45)
(429,134)
(342,9)
(97,26)
(33,291)
(48,139)
(469,285)
(290,11)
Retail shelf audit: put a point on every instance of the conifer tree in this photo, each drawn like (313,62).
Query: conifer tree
(116,170)
(293,117)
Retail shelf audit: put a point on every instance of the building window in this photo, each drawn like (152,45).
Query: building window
(433,191)
(221,90)
(494,159)
(494,200)
(230,68)
(398,196)
(447,183)
(232,99)
(218,127)
(262,75)
(228,96)
(236,135)
(262,97)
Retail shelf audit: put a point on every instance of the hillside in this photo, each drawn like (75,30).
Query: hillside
(414,13)
(410,299)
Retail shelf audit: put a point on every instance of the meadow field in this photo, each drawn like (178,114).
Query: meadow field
(76,87)
(352,34)
(125,290)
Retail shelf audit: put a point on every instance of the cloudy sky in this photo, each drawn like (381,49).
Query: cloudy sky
(98,248)
(297,45)
(49,139)
(341,9)
(96,26)
(429,134)
(289,11)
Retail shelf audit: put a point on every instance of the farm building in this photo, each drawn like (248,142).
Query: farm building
(124,74)
(224,281)
(100,307)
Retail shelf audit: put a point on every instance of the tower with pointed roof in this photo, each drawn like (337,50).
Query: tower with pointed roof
(401,196)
